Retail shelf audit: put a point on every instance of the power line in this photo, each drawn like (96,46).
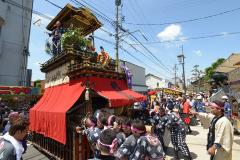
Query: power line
(166,68)
(152,30)
(110,42)
(96,12)
(139,60)
(142,53)
(138,16)
(27,9)
(96,9)
(124,30)
(54,4)
(185,21)
(112,23)
(192,38)
(111,34)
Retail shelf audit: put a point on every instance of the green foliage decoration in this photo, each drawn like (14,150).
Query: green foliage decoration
(75,38)
(48,48)
(210,70)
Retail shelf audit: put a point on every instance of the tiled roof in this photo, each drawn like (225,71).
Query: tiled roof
(231,63)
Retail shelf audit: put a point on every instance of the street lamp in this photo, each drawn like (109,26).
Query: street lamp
(181,59)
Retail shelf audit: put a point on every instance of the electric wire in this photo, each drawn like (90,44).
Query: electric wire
(109,19)
(193,38)
(134,57)
(185,21)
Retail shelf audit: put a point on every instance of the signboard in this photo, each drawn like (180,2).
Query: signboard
(14,90)
(57,76)
(19,90)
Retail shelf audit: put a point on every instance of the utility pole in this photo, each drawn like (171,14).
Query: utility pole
(175,74)
(183,66)
(181,59)
(117,4)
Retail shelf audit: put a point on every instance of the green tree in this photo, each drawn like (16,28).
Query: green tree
(210,70)
(197,74)
(37,83)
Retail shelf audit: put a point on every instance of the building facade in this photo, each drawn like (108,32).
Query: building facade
(138,78)
(231,67)
(154,82)
(234,83)
(15,25)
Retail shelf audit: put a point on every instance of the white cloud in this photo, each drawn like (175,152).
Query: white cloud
(198,53)
(170,33)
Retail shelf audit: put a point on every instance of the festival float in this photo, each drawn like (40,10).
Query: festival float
(78,82)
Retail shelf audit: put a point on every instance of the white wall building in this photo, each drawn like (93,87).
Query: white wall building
(154,82)
(138,79)
(15,25)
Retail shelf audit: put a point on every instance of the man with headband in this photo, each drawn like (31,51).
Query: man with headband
(148,147)
(220,135)
(178,135)
(107,144)
(127,148)
(92,132)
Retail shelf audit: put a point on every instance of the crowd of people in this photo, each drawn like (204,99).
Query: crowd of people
(141,136)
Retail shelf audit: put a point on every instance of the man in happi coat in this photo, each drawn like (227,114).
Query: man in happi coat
(178,134)
(159,123)
(220,136)
(148,147)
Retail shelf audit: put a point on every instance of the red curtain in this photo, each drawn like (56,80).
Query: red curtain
(48,116)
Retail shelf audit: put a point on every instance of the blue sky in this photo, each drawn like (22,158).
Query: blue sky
(202,52)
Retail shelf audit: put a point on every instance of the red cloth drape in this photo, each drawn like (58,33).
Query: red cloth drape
(116,91)
(48,116)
